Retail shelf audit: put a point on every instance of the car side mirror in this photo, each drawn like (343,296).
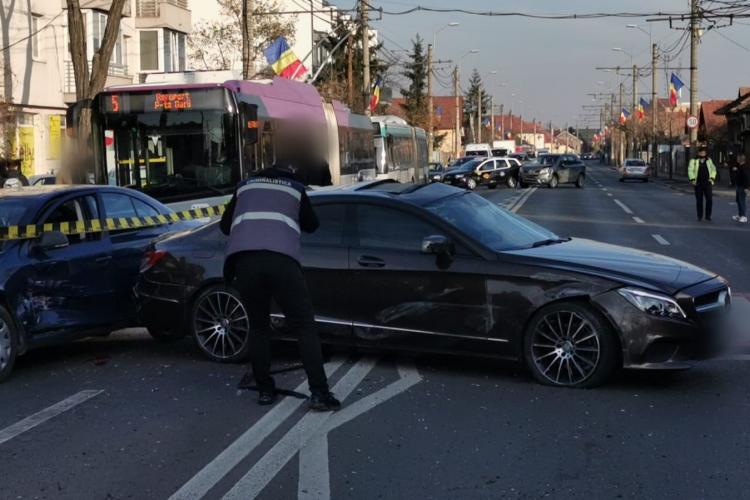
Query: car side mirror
(437,245)
(52,240)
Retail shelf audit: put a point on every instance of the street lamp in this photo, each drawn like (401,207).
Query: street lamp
(456,76)
(620,49)
(430,111)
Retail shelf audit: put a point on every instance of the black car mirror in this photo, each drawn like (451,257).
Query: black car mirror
(52,240)
(437,245)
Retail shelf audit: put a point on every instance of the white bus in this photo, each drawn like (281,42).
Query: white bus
(400,150)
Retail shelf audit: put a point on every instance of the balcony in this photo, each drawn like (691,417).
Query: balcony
(104,5)
(118,74)
(172,14)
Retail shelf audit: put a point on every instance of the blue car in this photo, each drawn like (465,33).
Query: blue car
(56,288)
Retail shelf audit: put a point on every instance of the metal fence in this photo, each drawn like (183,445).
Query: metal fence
(69,84)
(150,8)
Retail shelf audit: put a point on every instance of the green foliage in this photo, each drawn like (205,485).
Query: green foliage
(471,100)
(416,101)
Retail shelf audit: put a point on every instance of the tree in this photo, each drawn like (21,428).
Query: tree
(470,103)
(88,83)
(220,44)
(415,96)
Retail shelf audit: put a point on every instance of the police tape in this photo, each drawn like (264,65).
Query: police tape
(32,231)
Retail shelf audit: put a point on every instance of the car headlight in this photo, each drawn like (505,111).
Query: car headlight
(545,171)
(459,176)
(653,303)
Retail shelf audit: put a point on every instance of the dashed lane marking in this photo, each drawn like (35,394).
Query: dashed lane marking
(39,418)
(624,207)
(639,220)
(660,239)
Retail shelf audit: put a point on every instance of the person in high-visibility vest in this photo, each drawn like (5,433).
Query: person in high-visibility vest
(702,174)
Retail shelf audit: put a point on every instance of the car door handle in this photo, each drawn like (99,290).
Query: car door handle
(367,261)
(103,258)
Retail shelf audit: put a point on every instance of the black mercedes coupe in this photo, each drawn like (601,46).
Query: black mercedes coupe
(436,268)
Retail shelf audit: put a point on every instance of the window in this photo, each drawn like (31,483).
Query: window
(174,50)
(36,38)
(488,166)
(99,25)
(144,209)
(118,205)
(381,227)
(149,41)
(331,231)
(72,211)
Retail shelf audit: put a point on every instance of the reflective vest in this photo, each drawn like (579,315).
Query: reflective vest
(266,217)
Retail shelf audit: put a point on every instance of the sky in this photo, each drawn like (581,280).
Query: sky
(547,66)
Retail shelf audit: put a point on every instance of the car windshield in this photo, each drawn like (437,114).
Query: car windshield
(546,159)
(12,211)
(468,166)
(495,227)
(476,153)
(460,161)
(635,163)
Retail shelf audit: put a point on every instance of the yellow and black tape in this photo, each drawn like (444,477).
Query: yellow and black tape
(32,231)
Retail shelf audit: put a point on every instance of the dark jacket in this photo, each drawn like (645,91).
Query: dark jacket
(742,176)
(267,212)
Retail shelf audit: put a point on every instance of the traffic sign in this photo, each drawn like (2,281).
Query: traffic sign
(692,121)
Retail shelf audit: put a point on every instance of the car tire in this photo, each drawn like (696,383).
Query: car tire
(8,344)
(622,180)
(471,184)
(220,325)
(511,182)
(492,185)
(554,182)
(582,346)
(580,181)
(522,184)
(164,334)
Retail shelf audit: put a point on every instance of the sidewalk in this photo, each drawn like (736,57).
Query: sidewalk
(683,185)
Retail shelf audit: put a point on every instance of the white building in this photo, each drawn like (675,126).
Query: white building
(38,72)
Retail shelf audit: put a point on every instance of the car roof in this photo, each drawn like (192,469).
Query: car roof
(387,189)
(44,193)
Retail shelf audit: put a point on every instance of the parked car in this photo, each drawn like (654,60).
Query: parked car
(435,171)
(483,171)
(439,269)
(522,157)
(56,288)
(42,180)
(634,169)
(460,161)
(478,150)
(553,170)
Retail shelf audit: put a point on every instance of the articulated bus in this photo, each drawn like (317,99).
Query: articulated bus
(400,149)
(188,142)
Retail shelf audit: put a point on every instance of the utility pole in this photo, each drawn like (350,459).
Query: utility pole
(622,134)
(429,103)
(365,55)
(457,130)
(633,108)
(492,118)
(654,145)
(694,36)
(479,115)
(502,124)
(350,70)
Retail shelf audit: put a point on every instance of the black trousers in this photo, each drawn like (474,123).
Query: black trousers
(261,276)
(704,191)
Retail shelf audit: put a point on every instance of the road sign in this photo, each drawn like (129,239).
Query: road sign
(692,121)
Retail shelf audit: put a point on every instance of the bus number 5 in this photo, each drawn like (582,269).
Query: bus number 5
(115,103)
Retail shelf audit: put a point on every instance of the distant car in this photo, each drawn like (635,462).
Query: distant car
(553,170)
(478,150)
(434,171)
(522,157)
(483,171)
(634,169)
(42,180)
(433,268)
(56,288)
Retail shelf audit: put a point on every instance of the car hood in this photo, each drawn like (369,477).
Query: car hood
(456,171)
(625,265)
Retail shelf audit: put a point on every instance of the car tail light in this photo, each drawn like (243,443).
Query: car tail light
(151,258)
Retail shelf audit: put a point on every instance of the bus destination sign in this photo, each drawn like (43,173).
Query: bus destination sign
(164,100)
(170,101)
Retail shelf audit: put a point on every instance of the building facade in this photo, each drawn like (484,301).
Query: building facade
(37,69)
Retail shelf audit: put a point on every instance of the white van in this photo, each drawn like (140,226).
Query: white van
(478,150)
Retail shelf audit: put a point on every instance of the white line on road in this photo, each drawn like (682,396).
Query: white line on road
(36,419)
(609,194)
(284,450)
(228,459)
(523,199)
(639,220)
(624,207)
(314,475)
(660,239)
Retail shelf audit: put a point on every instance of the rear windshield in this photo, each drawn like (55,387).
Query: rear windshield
(477,153)
(635,163)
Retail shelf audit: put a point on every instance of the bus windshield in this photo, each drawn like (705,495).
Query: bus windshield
(174,153)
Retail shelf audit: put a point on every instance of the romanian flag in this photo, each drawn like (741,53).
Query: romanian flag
(283,60)
(624,115)
(375,96)
(641,112)
(675,85)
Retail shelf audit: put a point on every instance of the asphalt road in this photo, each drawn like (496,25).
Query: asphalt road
(127,417)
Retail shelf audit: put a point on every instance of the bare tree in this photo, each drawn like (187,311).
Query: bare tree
(247,37)
(89,83)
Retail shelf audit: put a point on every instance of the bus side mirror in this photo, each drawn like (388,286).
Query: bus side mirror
(249,122)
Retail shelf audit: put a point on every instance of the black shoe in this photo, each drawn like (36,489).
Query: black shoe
(708,219)
(324,402)
(700,219)
(266,398)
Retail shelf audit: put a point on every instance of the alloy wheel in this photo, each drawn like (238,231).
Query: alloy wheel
(565,348)
(511,182)
(221,325)
(6,345)
(471,184)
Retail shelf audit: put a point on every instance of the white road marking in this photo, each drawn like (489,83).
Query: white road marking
(639,220)
(523,199)
(228,459)
(39,418)
(609,194)
(284,450)
(624,207)
(660,239)
(314,476)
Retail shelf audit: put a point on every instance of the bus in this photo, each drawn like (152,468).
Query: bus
(400,149)
(187,142)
